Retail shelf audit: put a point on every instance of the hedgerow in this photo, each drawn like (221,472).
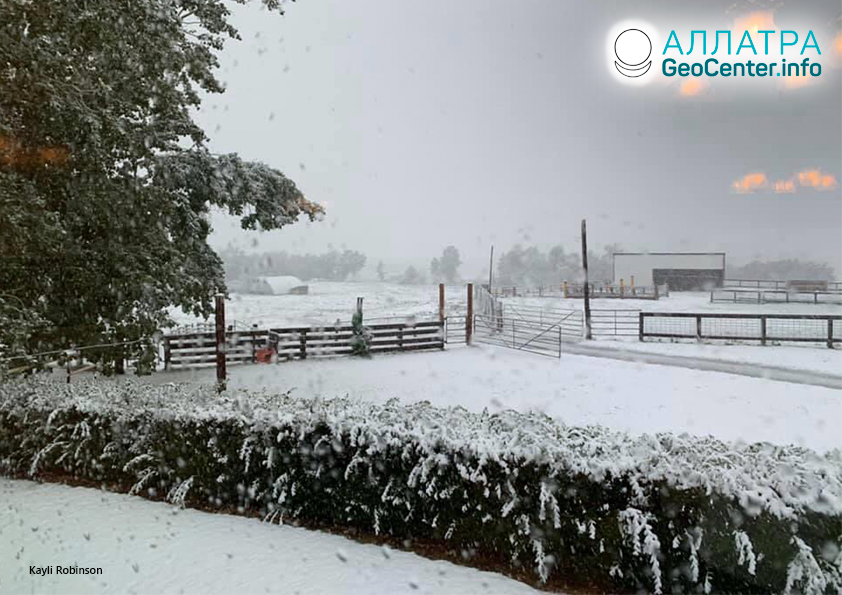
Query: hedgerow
(662,513)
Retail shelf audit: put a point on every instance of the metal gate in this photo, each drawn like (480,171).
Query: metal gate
(544,335)
(454,329)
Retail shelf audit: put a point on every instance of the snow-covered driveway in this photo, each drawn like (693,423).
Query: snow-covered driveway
(151,547)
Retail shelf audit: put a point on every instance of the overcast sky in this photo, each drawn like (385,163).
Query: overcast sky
(471,122)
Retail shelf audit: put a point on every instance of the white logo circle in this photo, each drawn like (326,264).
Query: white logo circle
(633,47)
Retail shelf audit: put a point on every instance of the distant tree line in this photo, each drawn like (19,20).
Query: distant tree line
(332,265)
(443,269)
(531,267)
(782,270)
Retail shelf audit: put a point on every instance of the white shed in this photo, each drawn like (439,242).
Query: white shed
(681,271)
(276,285)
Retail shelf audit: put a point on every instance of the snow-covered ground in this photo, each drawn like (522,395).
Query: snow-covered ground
(151,547)
(328,301)
(578,390)
(797,357)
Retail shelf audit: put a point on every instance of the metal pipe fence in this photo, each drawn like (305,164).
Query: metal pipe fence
(812,328)
(834,286)
(774,296)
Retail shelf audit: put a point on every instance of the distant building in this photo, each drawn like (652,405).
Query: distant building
(681,271)
(276,285)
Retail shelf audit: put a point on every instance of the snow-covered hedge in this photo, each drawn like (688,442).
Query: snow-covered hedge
(664,513)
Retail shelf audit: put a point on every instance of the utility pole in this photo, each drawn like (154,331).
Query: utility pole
(491,269)
(588,333)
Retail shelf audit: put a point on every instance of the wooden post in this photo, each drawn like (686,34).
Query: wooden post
(698,328)
(491,269)
(763,330)
(588,332)
(441,302)
(469,319)
(640,327)
(220,341)
(564,289)
(830,333)
(622,287)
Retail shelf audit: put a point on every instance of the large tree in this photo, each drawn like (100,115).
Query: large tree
(446,267)
(106,181)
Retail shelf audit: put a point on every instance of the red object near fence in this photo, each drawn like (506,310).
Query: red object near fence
(264,356)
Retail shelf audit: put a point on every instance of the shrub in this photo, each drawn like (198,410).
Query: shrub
(662,513)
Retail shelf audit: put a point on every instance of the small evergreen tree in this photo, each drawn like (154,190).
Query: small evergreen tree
(361,336)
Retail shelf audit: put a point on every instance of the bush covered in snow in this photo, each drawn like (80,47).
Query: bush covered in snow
(663,513)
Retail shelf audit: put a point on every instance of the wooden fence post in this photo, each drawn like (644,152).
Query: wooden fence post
(640,327)
(763,330)
(441,301)
(588,332)
(302,344)
(698,328)
(220,341)
(469,319)
(830,333)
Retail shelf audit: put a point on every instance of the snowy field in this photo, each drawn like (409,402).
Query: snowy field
(152,547)
(578,390)
(329,301)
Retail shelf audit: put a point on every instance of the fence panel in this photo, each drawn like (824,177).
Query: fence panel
(814,328)
(615,323)
(835,286)
(197,350)
(454,329)
(520,335)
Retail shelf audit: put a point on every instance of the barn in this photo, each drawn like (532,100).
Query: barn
(681,271)
(276,285)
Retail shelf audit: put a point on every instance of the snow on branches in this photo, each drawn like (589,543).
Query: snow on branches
(586,502)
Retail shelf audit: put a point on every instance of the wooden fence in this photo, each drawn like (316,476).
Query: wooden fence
(812,328)
(629,292)
(577,290)
(198,349)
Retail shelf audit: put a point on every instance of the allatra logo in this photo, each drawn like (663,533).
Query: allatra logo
(632,48)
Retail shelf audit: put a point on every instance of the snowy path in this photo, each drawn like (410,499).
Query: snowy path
(578,390)
(805,357)
(151,547)
(728,366)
